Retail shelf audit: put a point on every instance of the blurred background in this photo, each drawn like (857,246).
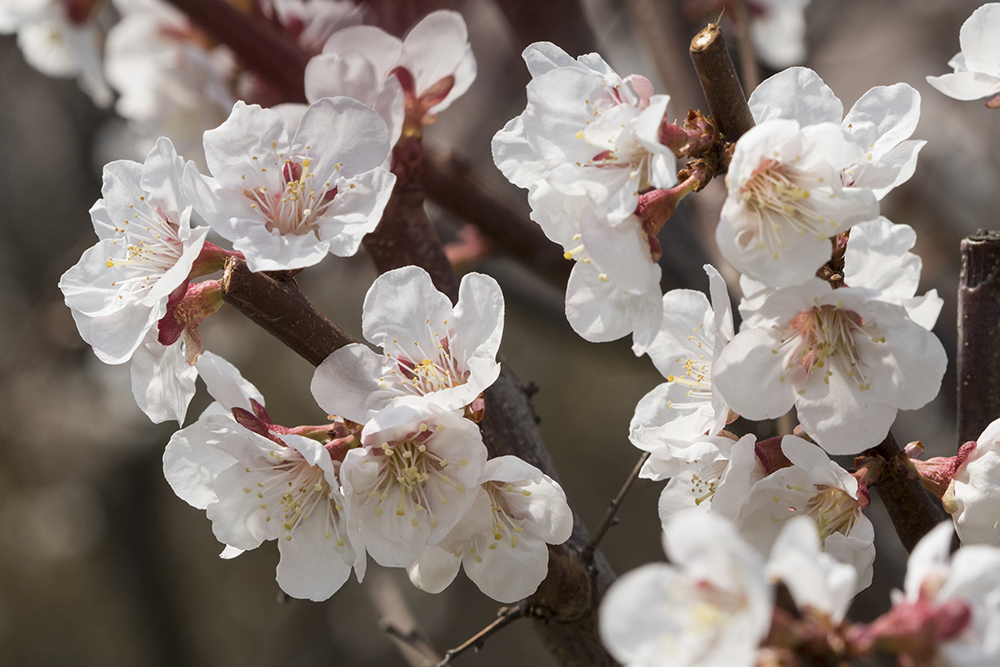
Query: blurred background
(100,564)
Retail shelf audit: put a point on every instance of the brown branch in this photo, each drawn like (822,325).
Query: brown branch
(257,43)
(281,309)
(506,616)
(723,92)
(562,22)
(914,512)
(978,335)
(457,186)
(609,516)
(748,59)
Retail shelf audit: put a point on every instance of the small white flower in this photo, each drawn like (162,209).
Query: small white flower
(414,478)
(119,289)
(846,360)
(975,491)
(286,203)
(691,337)
(778,29)
(977,65)
(258,486)
(502,540)
(786,198)
(878,258)
(436,352)
(710,608)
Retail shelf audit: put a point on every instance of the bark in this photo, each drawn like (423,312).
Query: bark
(727,102)
(978,335)
(914,511)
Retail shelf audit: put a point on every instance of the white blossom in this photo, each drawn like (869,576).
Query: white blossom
(412,481)
(691,337)
(881,122)
(265,485)
(847,361)
(975,491)
(119,289)
(285,203)
(710,607)
(977,65)
(786,198)
(431,350)
(502,540)
(778,29)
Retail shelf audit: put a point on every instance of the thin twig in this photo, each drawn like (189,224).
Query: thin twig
(723,92)
(978,335)
(413,639)
(399,623)
(506,616)
(609,516)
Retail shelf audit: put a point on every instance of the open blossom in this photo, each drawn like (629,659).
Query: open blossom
(878,258)
(881,122)
(975,491)
(846,360)
(977,65)
(949,612)
(710,607)
(812,486)
(120,288)
(260,482)
(502,540)
(691,338)
(415,78)
(433,352)
(412,480)
(60,39)
(786,198)
(285,203)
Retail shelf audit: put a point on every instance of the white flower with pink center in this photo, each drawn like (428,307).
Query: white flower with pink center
(786,198)
(502,540)
(977,65)
(260,482)
(147,250)
(691,337)
(416,475)
(710,607)
(433,352)
(846,360)
(285,203)
(881,122)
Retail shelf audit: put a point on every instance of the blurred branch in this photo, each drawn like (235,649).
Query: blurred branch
(562,22)
(505,617)
(398,622)
(914,512)
(281,309)
(257,43)
(457,186)
(658,24)
(609,516)
(978,335)
(748,59)
(726,101)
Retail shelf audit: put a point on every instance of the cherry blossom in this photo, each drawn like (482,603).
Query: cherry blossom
(120,288)
(286,203)
(786,198)
(977,65)
(502,540)
(778,29)
(432,351)
(258,482)
(691,337)
(881,121)
(710,607)
(975,489)
(60,39)
(846,360)
(412,481)
(878,257)
(414,79)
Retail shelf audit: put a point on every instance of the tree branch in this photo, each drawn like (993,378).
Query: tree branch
(257,43)
(914,512)
(281,309)
(609,516)
(726,101)
(506,616)
(978,335)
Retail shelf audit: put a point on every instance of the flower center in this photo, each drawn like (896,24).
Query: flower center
(834,510)
(436,370)
(697,372)
(777,197)
(826,334)
(300,205)
(152,247)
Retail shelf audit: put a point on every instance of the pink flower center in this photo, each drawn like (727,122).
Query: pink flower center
(300,205)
